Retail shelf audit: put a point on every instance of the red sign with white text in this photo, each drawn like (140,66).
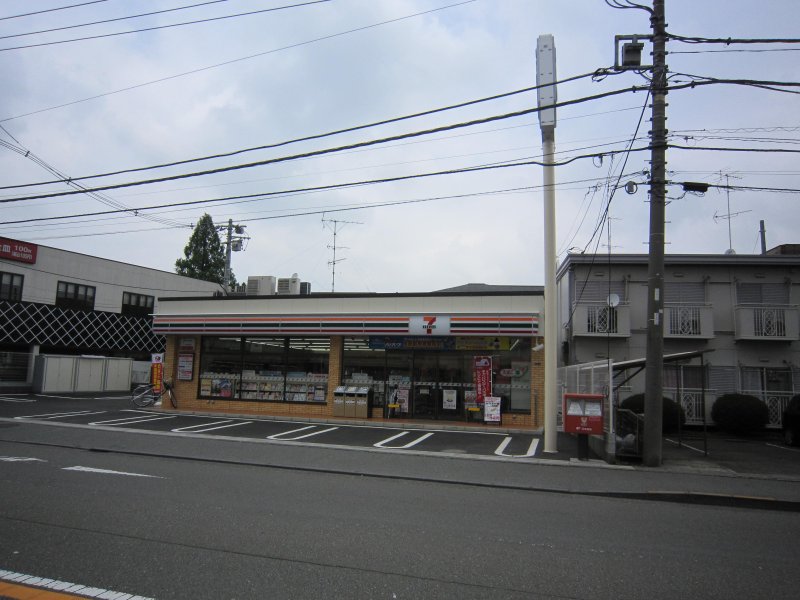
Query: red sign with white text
(18,251)
(482,377)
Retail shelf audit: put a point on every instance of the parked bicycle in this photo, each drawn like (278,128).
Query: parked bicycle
(146,395)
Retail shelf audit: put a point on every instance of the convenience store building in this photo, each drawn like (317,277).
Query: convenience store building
(429,356)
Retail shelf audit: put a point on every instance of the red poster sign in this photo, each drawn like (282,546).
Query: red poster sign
(18,251)
(482,377)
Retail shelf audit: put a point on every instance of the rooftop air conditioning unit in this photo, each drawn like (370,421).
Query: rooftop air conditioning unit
(261,286)
(289,285)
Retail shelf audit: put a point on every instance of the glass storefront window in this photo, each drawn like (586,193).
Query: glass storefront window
(262,371)
(307,369)
(512,375)
(220,368)
(365,366)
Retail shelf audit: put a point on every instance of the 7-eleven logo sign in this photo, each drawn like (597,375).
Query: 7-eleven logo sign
(429,325)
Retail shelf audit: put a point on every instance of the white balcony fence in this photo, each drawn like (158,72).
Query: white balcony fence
(775,401)
(767,323)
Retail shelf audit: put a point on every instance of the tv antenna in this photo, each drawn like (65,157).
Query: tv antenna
(336,226)
(729,215)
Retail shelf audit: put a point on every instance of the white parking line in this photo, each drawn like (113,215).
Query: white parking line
(399,435)
(131,420)
(782,447)
(23,400)
(504,444)
(280,436)
(205,426)
(108,472)
(76,413)
(20,459)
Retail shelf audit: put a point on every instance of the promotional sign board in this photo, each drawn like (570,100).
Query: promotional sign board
(583,413)
(157,371)
(185,367)
(491,409)
(449,399)
(18,251)
(482,377)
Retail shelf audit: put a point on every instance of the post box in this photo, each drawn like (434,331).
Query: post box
(583,413)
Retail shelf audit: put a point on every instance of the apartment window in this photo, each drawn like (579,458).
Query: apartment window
(75,296)
(137,305)
(10,287)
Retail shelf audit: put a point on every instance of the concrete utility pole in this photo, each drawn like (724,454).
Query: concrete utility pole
(654,370)
(546,76)
(233,243)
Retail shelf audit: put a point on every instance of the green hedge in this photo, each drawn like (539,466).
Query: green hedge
(672,416)
(740,413)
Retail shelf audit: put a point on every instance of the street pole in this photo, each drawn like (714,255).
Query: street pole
(227,275)
(545,80)
(654,370)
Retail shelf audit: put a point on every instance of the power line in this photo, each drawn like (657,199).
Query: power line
(318,152)
(235,60)
(207,20)
(39,12)
(264,195)
(147,14)
(728,41)
(728,149)
(306,138)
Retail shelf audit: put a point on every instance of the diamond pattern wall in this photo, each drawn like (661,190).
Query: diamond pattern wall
(30,323)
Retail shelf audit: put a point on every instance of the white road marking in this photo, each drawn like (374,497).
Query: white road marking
(783,447)
(205,426)
(20,459)
(280,436)
(131,420)
(685,445)
(108,472)
(399,435)
(54,584)
(76,413)
(6,399)
(504,444)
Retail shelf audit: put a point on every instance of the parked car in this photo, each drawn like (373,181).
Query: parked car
(791,422)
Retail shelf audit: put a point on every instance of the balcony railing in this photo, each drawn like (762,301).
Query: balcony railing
(688,321)
(691,400)
(590,319)
(767,322)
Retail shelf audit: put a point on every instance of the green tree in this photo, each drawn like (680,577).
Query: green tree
(204,254)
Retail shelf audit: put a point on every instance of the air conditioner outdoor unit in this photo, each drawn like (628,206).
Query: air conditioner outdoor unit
(263,285)
(289,285)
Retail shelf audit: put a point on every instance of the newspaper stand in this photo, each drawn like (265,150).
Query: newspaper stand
(583,415)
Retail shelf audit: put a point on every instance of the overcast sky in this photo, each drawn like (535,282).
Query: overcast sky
(326,66)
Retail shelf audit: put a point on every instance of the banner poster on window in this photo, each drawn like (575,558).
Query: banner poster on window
(402,398)
(482,377)
(491,409)
(185,367)
(449,399)
(156,371)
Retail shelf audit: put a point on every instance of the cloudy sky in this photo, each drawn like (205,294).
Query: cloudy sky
(120,102)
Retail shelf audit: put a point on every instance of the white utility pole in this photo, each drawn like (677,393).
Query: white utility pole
(546,76)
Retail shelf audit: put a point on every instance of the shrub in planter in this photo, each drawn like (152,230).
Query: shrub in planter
(672,415)
(740,413)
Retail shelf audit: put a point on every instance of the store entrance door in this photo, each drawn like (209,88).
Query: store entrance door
(425,378)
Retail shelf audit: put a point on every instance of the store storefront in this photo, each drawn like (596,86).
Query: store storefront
(422,356)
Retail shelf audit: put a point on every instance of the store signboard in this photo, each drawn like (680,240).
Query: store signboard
(186,344)
(156,371)
(18,251)
(429,325)
(491,409)
(185,367)
(449,399)
(482,376)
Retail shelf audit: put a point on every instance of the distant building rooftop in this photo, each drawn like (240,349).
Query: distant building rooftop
(480,288)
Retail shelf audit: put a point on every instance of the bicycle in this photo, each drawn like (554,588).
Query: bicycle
(145,395)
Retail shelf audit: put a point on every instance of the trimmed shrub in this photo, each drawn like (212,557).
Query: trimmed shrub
(740,414)
(672,416)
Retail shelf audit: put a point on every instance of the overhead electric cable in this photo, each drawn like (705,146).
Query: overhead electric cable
(147,14)
(310,137)
(207,20)
(728,41)
(318,152)
(265,195)
(235,60)
(39,12)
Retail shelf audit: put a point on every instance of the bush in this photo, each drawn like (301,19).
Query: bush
(740,413)
(672,414)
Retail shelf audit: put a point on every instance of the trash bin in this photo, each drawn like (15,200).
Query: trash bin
(338,401)
(350,402)
(363,402)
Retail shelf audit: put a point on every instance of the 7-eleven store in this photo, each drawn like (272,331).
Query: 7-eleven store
(417,356)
